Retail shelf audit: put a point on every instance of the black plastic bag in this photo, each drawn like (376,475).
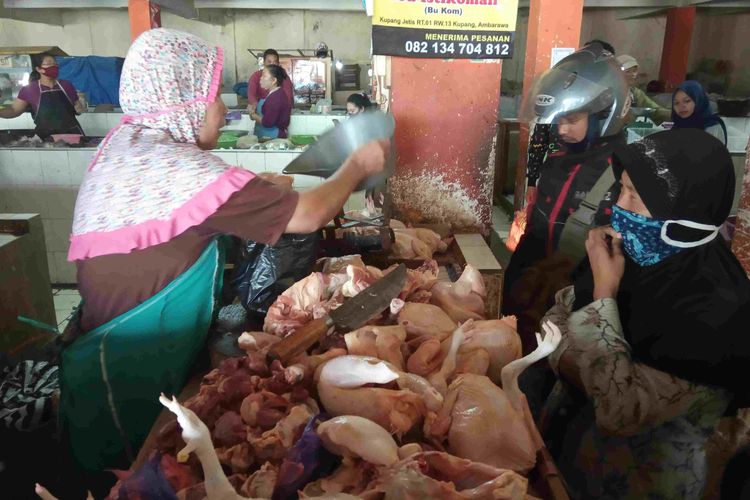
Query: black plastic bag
(267,270)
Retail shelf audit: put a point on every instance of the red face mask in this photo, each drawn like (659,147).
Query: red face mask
(52,71)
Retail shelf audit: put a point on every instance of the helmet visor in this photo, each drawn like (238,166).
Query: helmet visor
(559,92)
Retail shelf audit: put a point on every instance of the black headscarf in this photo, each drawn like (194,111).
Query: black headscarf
(688,315)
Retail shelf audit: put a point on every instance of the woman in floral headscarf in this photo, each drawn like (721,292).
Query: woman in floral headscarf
(145,241)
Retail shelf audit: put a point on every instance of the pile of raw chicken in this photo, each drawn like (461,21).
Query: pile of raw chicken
(408,406)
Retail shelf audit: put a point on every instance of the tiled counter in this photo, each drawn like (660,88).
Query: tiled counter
(46,181)
(98,124)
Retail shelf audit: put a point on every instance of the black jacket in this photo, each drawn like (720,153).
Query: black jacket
(564,182)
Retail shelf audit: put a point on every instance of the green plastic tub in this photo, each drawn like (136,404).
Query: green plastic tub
(303,140)
(227,141)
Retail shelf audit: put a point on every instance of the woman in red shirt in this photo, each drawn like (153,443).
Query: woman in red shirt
(273,113)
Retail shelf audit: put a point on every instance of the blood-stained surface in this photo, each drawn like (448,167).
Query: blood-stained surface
(446,126)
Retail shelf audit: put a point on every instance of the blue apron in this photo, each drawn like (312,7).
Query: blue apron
(260,130)
(111,376)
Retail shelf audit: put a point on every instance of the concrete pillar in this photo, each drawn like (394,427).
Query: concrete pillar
(741,240)
(446,125)
(552,23)
(674,55)
(144,15)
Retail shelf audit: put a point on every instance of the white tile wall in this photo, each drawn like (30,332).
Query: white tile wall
(7,169)
(57,234)
(20,122)
(305,181)
(252,160)
(79,163)
(28,169)
(299,125)
(96,124)
(66,271)
(61,202)
(228,157)
(52,266)
(55,168)
(276,161)
(113,119)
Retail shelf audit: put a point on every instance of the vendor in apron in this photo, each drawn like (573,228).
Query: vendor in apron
(273,113)
(146,242)
(54,103)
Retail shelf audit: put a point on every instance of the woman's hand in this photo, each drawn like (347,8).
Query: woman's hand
(604,246)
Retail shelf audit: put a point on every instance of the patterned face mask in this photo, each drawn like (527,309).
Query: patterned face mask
(645,240)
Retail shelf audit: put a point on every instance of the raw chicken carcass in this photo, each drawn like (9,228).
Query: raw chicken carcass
(310,298)
(463,299)
(408,246)
(487,424)
(418,282)
(425,320)
(383,342)
(498,337)
(359,278)
(434,474)
(350,435)
(341,391)
(256,341)
(416,243)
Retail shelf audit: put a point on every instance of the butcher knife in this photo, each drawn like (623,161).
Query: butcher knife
(350,315)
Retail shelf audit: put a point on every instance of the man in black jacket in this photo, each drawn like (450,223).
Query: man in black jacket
(584,99)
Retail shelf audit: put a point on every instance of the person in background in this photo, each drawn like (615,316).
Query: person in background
(357,103)
(148,227)
(639,99)
(255,91)
(54,103)
(606,45)
(273,113)
(655,326)
(692,109)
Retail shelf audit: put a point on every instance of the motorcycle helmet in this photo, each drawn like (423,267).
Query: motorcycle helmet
(589,80)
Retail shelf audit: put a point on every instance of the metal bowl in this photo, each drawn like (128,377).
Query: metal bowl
(325,157)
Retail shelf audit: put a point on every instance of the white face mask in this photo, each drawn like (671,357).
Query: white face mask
(693,225)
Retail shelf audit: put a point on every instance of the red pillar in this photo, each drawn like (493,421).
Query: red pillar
(741,240)
(552,23)
(144,15)
(674,55)
(446,125)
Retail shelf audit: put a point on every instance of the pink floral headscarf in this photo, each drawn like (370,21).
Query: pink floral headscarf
(149,181)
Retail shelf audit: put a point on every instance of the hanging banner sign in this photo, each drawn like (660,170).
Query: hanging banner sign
(445,29)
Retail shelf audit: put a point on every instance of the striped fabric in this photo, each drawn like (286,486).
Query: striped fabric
(26,393)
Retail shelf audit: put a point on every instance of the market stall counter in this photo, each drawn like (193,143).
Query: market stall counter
(263,417)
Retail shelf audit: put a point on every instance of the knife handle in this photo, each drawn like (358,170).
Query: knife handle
(299,341)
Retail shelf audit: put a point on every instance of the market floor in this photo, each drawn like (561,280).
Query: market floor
(65,301)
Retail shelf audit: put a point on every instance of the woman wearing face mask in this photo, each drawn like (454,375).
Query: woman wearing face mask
(146,238)
(655,326)
(357,103)
(691,109)
(273,113)
(54,103)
